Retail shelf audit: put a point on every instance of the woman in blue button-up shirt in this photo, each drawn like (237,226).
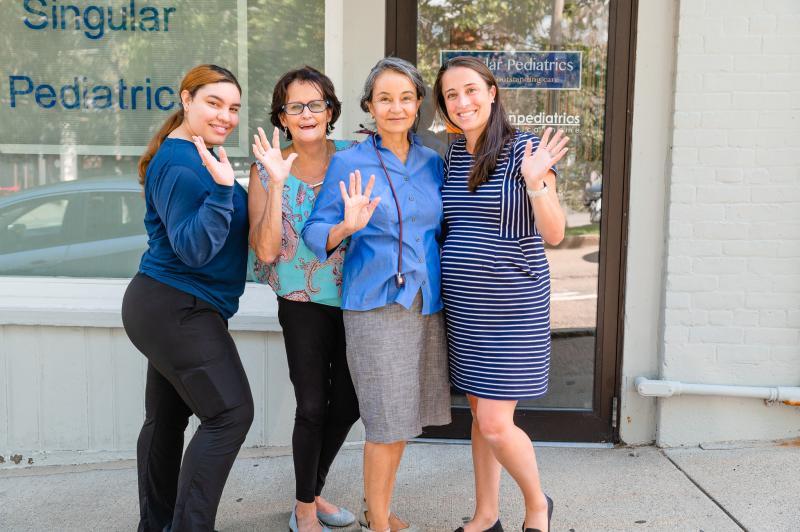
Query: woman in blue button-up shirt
(396,347)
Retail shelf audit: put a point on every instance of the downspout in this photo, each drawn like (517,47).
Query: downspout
(788,395)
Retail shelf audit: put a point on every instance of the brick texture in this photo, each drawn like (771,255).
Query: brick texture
(733,267)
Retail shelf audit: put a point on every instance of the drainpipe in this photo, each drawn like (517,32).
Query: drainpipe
(788,395)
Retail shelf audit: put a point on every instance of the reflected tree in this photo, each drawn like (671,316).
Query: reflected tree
(580,25)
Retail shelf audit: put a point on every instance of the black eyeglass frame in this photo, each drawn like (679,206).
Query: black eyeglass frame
(304,105)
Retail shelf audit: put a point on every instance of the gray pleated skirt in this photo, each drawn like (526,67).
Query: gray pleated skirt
(398,361)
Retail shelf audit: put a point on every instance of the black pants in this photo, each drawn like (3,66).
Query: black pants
(326,401)
(194,367)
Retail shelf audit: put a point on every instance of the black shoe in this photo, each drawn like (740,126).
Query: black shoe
(549,516)
(497,527)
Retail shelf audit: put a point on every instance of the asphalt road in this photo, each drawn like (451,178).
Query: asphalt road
(573,274)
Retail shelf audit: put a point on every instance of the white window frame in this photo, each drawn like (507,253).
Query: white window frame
(92,302)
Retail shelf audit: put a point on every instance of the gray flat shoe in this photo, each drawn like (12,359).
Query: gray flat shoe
(293,523)
(341,518)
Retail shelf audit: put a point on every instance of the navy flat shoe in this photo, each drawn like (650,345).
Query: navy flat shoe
(497,527)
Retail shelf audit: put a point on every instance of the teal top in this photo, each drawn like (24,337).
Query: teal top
(297,274)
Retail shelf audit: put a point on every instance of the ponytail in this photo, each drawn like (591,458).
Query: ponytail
(174,120)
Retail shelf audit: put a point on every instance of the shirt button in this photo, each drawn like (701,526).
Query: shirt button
(417,239)
(411,198)
(420,259)
(405,178)
(423,283)
(413,218)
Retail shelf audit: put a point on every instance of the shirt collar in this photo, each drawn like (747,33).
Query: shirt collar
(413,138)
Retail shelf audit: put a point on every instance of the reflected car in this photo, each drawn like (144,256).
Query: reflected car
(592,198)
(91,227)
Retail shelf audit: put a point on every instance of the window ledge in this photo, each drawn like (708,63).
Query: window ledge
(74,302)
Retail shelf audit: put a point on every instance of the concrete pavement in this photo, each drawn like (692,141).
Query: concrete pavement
(719,488)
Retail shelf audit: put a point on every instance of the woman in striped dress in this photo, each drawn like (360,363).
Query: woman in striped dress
(500,206)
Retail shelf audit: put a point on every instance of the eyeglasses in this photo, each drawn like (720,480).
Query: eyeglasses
(296,108)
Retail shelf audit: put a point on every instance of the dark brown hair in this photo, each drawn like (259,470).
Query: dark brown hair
(192,81)
(305,74)
(498,130)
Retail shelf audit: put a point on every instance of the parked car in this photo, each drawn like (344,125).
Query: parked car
(84,228)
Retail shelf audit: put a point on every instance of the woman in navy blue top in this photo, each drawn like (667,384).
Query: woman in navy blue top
(391,298)
(500,206)
(176,309)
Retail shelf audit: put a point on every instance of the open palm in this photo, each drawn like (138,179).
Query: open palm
(221,170)
(536,164)
(271,157)
(358,208)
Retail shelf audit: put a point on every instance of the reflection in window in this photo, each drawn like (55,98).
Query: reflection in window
(544,25)
(90,153)
(32,224)
(45,216)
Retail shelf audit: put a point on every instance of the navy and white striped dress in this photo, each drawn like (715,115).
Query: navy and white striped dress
(495,280)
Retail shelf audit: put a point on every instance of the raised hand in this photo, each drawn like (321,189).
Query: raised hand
(550,150)
(270,156)
(221,171)
(358,208)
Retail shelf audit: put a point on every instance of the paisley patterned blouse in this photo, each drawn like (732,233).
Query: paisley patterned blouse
(297,274)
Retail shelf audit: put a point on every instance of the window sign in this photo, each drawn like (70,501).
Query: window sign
(552,70)
(103,75)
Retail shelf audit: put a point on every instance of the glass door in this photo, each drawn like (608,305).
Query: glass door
(555,62)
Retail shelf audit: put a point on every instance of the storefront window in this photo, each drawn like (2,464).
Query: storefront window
(86,84)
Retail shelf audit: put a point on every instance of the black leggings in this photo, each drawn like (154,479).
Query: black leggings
(326,401)
(193,367)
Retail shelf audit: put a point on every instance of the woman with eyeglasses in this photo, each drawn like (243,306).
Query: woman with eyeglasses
(176,309)
(283,188)
(500,207)
(392,305)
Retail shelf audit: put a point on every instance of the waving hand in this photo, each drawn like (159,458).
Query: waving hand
(358,208)
(270,156)
(221,170)
(535,165)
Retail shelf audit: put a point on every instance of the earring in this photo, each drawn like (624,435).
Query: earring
(286,132)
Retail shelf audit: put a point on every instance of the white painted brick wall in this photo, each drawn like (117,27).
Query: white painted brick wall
(732,301)
(732,305)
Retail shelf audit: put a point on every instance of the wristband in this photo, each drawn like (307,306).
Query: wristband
(537,193)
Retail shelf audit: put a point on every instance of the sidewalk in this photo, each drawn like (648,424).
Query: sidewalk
(715,489)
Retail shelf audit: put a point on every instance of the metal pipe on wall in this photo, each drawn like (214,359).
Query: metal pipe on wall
(789,395)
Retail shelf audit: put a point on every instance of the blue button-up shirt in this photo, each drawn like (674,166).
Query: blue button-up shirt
(370,264)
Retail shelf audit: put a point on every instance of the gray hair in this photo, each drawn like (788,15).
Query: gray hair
(401,66)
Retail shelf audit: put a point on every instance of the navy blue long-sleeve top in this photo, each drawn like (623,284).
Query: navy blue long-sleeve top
(197,228)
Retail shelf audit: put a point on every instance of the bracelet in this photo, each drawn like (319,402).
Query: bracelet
(537,193)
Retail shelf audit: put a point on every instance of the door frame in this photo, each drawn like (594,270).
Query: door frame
(600,423)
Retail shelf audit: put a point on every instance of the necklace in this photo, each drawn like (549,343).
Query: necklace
(329,151)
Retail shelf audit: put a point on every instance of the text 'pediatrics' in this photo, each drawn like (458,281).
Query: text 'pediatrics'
(93,22)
